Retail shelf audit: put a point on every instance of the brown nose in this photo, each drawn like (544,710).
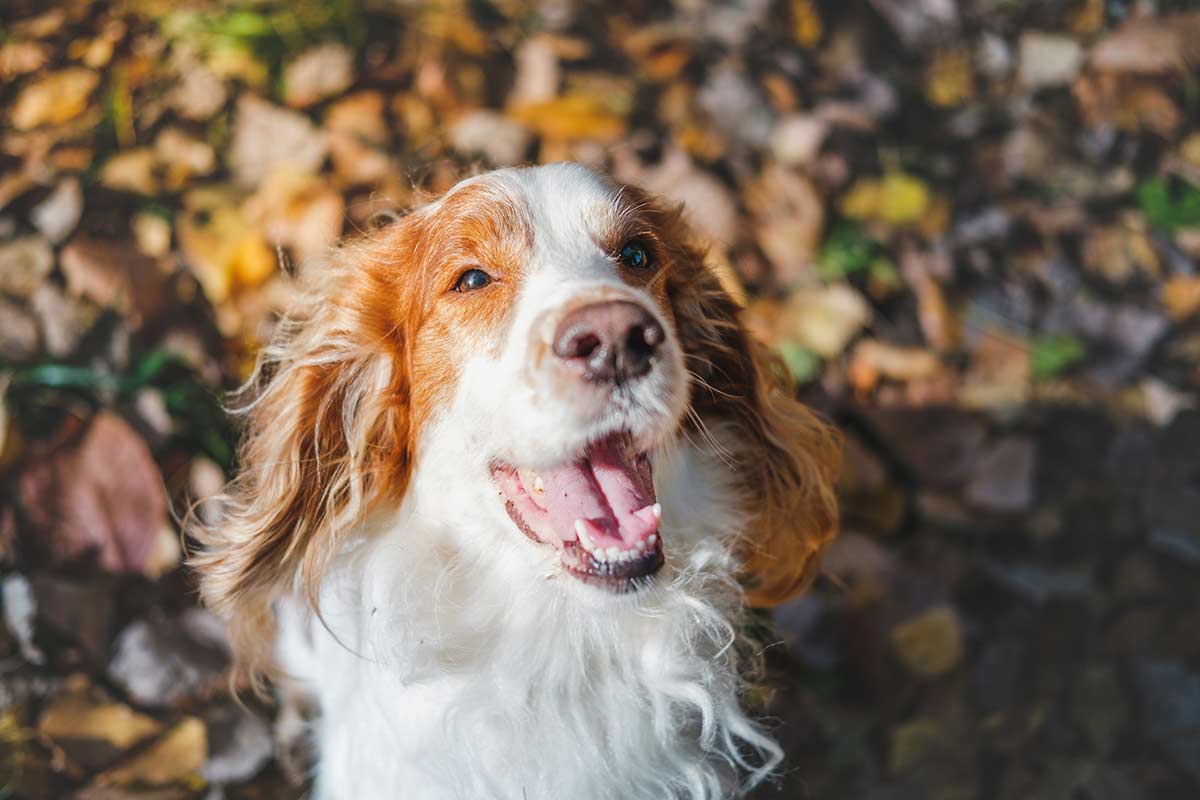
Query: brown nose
(610,342)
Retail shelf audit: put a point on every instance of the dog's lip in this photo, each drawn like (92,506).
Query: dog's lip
(598,511)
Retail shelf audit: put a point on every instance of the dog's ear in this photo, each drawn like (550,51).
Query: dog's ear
(787,458)
(327,438)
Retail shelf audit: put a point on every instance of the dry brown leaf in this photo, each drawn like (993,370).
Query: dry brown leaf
(823,319)
(571,117)
(873,359)
(1150,45)
(789,215)
(99,495)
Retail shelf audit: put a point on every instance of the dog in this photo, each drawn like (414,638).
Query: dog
(513,471)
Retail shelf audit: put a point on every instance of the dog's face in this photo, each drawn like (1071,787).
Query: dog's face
(518,352)
(552,341)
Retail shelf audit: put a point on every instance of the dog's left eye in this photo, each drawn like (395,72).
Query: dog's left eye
(471,280)
(635,254)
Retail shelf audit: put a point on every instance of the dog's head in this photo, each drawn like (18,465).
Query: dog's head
(517,351)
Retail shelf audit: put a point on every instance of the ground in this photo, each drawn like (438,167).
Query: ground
(970,229)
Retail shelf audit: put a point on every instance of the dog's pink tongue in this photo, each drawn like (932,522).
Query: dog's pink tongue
(607,489)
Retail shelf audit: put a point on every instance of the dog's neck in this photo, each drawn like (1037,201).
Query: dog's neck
(537,680)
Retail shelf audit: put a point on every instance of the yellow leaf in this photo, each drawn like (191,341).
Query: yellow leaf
(74,716)
(903,199)
(862,200)
(1181,296)
(807,23)
(54,99)
(930,644)
(176,757)
(253,262)
(573,116)
(949,81)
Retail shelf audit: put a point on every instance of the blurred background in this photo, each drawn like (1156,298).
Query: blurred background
(972,230)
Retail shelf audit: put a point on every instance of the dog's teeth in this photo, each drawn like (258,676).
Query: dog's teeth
(655,509)
(651,539)
(641,545)
(613,554)
(581,527)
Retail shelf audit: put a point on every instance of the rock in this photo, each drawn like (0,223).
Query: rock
(1047,59)
(930,644)
(161,661)
(267,138)
(59,213)
(317,73)
(797,139)
(823,319)
(1003,476)
(939,445)
(19,340)
(1171,711)
(97,496)
(501,141)
(54,99)
(789,215)
(24,265)
(239,744)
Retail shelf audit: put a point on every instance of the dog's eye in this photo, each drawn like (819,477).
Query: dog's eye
(635,254)
(471,280)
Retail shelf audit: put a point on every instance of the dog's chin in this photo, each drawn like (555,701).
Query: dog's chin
(597,510)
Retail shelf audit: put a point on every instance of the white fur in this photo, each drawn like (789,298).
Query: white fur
(454,658)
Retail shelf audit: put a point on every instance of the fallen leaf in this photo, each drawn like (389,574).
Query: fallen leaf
(1181,296)
(949,80)
(183,157)
(358,135)
(708,206)
(500,140)
(930,644)
(91,728)
(267,138)
(59,213)
(1003,476)
(161,661)
(1150,45)
(797,139)
(1047,59)
(1052,355)
(789,215)
(178,755)
(1119,253)
(291,209)
(824,319)
(54,99)
(873,359)
(571,117)
(24,264)
(97,496)
(113,273)
(134,170)
(317,73)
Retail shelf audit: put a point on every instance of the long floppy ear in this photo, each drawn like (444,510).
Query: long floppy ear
(327,438)
(786,458)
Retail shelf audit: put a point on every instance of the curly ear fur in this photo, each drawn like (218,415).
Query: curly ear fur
(787,459)
(327,438)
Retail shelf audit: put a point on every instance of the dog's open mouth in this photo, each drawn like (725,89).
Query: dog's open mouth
(599,511)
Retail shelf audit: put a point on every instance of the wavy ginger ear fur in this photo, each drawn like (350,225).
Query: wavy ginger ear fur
(787,459)
(327,439)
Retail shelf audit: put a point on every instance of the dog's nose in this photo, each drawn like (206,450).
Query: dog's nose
(610,342)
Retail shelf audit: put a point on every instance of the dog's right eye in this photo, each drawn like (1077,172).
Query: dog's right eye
(471,280)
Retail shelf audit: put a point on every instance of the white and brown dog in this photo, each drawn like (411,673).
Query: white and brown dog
(511,476)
